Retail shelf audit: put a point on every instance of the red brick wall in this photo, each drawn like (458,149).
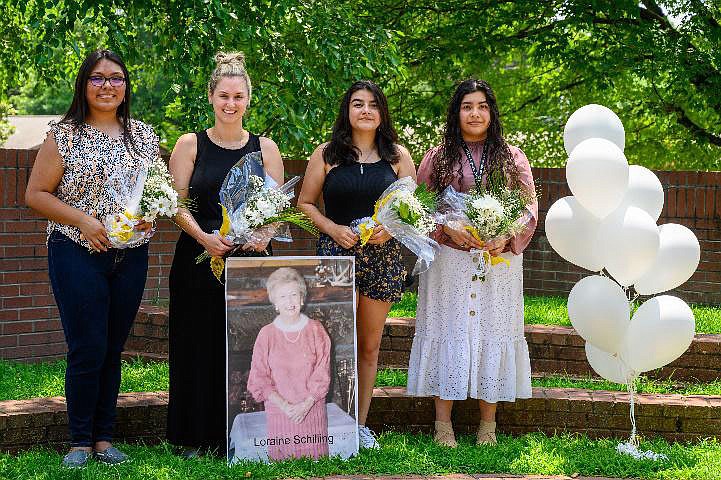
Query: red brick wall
(692,199)
(29,326)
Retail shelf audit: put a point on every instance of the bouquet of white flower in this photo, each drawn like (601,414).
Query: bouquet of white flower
(152,195)
(492,217)
(406,211)
(263,211)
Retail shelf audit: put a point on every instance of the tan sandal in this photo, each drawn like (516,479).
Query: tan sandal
(444,434)
(486,434)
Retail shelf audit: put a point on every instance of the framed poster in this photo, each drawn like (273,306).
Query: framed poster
(291,358)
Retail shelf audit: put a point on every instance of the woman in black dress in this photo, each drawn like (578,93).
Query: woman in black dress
(352,171)
(199,163)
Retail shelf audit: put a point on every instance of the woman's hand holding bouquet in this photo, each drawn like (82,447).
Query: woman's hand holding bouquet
(404,211)
(255,210)
(147,197)
(485,220)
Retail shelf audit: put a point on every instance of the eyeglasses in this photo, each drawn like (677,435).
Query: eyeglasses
(99,81)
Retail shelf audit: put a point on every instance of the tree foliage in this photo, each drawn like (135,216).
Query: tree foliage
(656,63)
(301,57)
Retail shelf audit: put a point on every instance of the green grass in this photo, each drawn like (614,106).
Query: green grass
(643,385)
(406,307)
(545,311)
(401,454)
(389,377)
(19,381)
(552,311)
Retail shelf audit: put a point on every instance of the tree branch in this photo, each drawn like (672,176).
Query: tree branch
(535,99)
(683,119)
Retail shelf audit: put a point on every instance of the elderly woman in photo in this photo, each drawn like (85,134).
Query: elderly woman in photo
(290,372)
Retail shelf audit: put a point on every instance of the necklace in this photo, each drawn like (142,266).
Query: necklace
(284,327)
(230,145)
(365,160)
(296,337)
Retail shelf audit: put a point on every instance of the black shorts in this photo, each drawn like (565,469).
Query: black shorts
(379,270)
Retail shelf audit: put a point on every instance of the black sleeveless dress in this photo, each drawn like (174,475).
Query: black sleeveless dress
(197,405)
(350,193)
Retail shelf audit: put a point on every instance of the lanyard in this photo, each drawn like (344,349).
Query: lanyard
(477,173)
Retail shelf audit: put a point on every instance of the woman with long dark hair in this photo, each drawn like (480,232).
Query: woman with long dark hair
(84,159)
(351,171)
(469,339)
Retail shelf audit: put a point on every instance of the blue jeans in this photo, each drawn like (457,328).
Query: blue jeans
(98,295)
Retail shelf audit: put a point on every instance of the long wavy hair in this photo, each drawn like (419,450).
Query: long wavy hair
(340,150)
(449,158)
(79,108)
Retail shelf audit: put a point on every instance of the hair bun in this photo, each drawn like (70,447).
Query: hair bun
(230,58)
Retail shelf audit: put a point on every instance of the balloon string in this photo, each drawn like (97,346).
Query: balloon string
(631,385)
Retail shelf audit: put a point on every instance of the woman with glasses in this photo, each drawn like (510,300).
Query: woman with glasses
(199,163)
(97,288)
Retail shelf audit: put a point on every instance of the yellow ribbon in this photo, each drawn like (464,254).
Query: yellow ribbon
(487,256)
(365,231)
(494,260)
(217,264)
(123,231)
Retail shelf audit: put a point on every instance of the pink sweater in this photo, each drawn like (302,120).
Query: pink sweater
(295,365)
(518,243)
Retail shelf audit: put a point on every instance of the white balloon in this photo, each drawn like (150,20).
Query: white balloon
(678,256)
(593,121)
(644,191)
(572,232)
(660,331)
(629,242)
(608,366)
(599,312)
(597,174)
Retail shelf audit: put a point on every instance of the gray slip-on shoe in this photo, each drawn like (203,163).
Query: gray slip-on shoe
(76,459)
(111,456)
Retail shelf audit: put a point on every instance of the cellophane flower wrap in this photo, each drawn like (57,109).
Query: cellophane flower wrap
(256,209)
(146,196)
(406,211)
(492,215)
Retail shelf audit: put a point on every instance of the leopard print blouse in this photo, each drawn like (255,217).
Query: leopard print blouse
(100,171)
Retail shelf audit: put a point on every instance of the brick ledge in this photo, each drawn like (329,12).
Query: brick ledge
(141,416)
(553,349)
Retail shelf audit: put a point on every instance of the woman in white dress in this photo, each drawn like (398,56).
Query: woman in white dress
(469,339)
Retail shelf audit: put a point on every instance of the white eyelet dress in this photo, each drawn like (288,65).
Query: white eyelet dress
(469,339)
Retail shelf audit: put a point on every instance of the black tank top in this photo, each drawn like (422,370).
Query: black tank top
(349,194)
(212,164)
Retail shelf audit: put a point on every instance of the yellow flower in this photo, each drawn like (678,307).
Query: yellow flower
(217,264)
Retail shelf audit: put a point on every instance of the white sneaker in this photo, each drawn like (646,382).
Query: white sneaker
(367,438)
